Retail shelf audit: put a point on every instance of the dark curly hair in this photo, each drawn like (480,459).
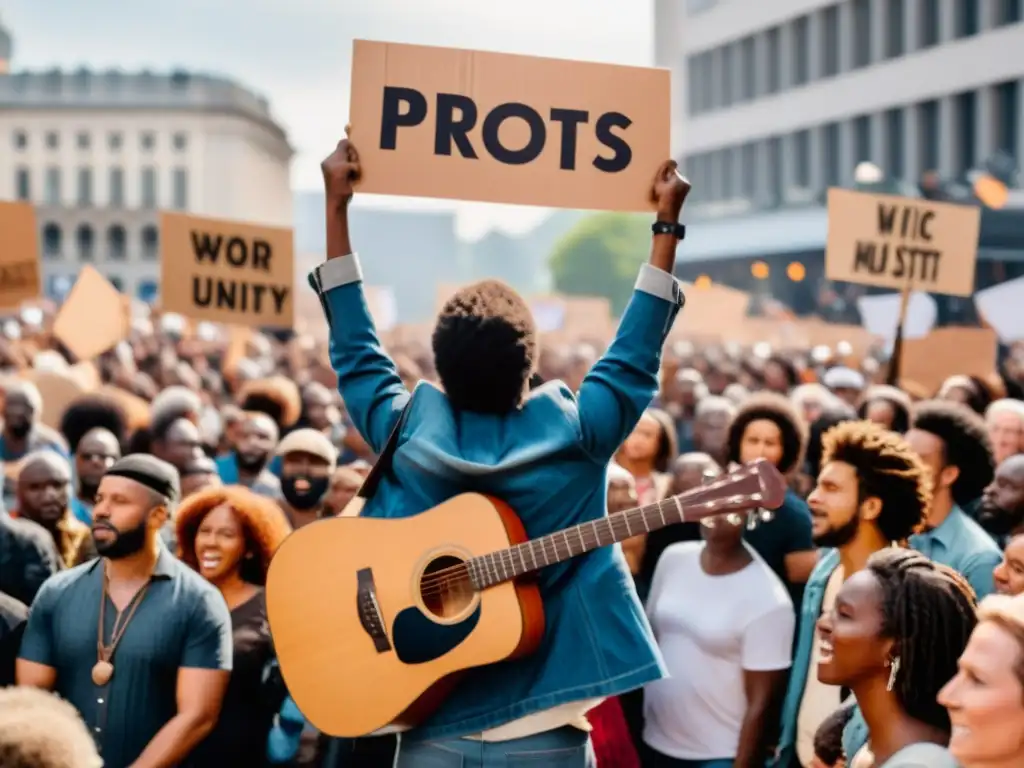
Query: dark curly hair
(887,469)
(277,396)
(828,739)
(262,521)
(930,612)
(896,398)
(89,412)
(965,445)
(485,348)
(768,406)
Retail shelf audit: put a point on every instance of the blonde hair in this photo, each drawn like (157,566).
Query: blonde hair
(1008,613)
(40,730)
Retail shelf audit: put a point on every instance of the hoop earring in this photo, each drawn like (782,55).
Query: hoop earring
(894,670)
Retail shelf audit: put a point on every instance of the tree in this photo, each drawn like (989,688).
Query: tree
(600,256)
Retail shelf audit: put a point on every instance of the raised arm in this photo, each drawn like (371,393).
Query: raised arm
(623,382)
(367,378)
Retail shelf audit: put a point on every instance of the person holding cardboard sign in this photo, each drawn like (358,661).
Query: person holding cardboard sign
(544,451)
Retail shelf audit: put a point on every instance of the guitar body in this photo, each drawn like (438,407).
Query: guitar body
(369,633)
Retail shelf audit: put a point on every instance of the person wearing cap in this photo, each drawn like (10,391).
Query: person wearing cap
(136,640)
(308,459)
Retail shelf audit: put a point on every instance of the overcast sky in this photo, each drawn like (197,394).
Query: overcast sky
(297,52)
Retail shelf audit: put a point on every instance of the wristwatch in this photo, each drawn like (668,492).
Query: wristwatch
(669,228)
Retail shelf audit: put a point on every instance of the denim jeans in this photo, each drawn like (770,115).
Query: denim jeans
(562,748)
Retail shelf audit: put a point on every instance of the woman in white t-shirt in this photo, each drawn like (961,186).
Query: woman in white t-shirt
(724,623)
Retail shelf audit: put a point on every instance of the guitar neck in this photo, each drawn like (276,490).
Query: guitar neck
(497,567)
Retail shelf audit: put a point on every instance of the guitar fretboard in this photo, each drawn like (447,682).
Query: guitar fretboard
(497,567)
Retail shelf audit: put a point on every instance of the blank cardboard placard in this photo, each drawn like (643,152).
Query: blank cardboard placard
(227,271)
(496,127)
(19,254)
(888,242)
(946,352)
(715,311)
(92,318)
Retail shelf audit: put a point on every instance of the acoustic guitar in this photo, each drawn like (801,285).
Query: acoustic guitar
(374,619)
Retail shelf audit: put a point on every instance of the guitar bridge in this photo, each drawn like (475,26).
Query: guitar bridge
(369,610)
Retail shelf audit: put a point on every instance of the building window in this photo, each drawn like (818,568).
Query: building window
(82,140)
(693,84)
(85,241)
(181,188)
(861,33)
(149,187)
(726,52)
(775,169)
(1010,11)
(928,123)
(801,59)
(52,241)
(53,193)
(862,139)
(749,169)
(117,243)
(830,42)
(749,59)
(115,140)
(147,141)
(20,140)
(180,142)
(116,188)
(150,242)
(22,184)
(894,143)
(967,17)
(772,65)
(831,150)
(728,175)
(930,24)
(84,187)
(1007,120)
(894,29)
(802,159)
(52,140)
(966,131)
(707,97)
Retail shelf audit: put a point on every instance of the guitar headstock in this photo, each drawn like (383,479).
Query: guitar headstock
(754,488)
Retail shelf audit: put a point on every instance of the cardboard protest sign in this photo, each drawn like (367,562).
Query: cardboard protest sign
(948,351)
(19,254)
(713,312)
(473,125)
(227,271)
(92,318)
(889,241)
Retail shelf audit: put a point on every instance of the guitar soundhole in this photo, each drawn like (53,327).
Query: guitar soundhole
(445,587)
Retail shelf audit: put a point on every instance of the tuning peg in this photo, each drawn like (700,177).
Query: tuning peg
(752,521)
(766,515)
(734,519)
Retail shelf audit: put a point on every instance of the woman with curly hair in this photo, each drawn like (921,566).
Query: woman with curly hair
(768,426)
(888,406)
(229,535)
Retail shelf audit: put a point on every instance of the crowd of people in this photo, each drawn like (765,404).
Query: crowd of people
(875,619)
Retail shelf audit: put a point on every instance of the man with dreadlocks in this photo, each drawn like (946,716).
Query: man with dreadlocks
(872,491)
(543,450)
(894,639)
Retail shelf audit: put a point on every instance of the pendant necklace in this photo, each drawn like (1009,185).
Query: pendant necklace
(103,670)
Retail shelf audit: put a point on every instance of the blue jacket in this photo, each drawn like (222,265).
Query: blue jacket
(548,460)
(810,610)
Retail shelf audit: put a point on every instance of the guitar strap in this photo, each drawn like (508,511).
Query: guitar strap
(373,478)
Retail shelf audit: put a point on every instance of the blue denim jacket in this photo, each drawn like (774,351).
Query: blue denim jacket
(548,460)
(810,610)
